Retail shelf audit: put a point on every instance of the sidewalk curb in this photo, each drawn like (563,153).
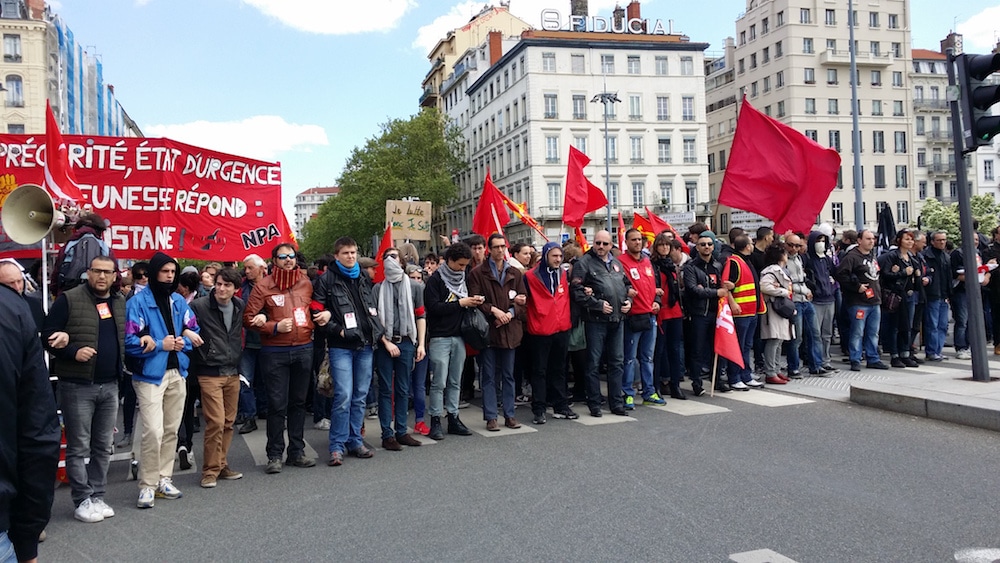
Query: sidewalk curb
(958,409)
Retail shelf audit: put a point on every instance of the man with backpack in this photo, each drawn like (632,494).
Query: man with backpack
(73,259)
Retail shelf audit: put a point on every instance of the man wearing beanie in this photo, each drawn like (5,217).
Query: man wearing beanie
(160,329)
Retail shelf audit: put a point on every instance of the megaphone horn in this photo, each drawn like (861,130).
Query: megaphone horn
(29,214)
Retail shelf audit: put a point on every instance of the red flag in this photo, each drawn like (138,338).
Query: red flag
(727,345)
(581,239)
(59,179)
(491,214)
(521,212)
(644,226)
(582,196)
(382,247)
(778,172)
(621,232)
(287,233)
(659,225)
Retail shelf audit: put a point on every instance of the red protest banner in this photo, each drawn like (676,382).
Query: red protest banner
(160,194)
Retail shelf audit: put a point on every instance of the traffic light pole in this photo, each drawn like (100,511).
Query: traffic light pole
(976,332)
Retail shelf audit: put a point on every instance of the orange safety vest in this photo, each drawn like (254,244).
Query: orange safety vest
(745,293)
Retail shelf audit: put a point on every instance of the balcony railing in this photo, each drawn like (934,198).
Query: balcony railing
(922,103)
(843,57)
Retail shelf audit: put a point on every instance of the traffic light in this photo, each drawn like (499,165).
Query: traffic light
(978,126)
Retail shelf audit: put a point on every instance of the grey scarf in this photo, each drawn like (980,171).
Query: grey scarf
(397,287)
(454,281)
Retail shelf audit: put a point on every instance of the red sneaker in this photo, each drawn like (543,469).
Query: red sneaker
(421,428)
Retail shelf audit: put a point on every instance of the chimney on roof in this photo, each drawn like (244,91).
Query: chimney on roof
(954,40)
(579,8)
(495,46)
(618,16)
(633,13)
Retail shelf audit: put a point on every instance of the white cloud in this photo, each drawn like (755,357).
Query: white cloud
(262,137)
(528,10)
(980,31)
(335,17)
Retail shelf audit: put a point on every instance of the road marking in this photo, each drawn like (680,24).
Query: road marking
(421,438)
(257,443)
(977,555)
(765,399)
(760,556)
(504,431)
(588,420)
(689,408)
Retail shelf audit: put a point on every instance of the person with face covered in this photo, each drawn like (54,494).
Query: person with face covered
(548,323)
(818,264)
(161,330)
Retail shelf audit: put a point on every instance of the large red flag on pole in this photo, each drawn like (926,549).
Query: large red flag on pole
(777,172)
(491,214)
(582,196)
(644,226)
(727,345)
(521,212)
(59,179)
(386,244)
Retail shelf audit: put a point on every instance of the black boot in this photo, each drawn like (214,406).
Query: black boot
(676,393)
(436,432)
(455,426)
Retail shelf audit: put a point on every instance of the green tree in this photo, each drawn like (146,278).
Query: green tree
(415,157)
(937,216)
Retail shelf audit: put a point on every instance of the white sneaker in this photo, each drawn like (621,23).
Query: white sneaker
(88,512)
(106,510)
(740,386)
(963,355)
(754,383)
(146,495)
(166,489)
(323,424)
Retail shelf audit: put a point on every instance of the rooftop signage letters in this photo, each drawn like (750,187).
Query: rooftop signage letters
(552,20)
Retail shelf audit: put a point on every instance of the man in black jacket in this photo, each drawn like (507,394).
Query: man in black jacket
(937,292)
(216,363)
(703,286)
(601,288)
(858,275)
(85,331)
(29,432)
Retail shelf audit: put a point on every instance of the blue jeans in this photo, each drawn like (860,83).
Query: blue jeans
(670,356)
(394,387)
(639,347)
(745,329)
(447,355)
(865,328)
(248,368)
(7,554)
(418,388)
(89,412)
(351,371)
(806,332)
(960,312)
(935,326)
(605,340)
(497,364)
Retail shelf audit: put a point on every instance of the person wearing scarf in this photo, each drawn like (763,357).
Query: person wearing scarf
(548,322)
(278,309)
(349,311)
(401,307)
(160,329)
(446,297)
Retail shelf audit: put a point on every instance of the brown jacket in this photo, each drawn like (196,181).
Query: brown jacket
(276,305)
(482,282)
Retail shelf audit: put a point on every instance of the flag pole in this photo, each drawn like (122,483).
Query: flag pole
(715,368)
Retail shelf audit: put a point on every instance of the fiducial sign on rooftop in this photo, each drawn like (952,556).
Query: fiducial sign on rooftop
(553,20)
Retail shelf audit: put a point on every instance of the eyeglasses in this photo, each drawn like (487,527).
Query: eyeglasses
(100,272)
(706,244)
(288,256)
(601,243)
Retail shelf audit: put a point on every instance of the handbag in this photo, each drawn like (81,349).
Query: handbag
(640,322)
(324,381)
(891,301)
(783,306)
(475,328)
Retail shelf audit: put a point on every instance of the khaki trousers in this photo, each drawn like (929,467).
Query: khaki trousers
(160,410)
(220,398)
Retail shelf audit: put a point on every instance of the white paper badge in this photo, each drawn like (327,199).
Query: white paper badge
(511,294)
(350,321)
(279,300)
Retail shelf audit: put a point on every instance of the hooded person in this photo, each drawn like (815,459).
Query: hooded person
(160,330)
(818,264)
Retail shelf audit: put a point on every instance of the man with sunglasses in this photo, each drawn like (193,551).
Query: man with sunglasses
(85,333)
(703,286)
(602,290)
(806,328)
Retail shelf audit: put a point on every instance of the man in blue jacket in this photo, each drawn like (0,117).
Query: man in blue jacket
(160,330)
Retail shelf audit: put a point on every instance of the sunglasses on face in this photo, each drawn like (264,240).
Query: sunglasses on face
(706,244)
(601,243)
(288,256)
(139,275)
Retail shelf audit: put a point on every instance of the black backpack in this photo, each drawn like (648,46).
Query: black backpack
(76,260)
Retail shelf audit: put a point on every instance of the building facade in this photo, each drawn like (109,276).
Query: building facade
(307,204)
(791,59)
(43,62)
(521,112)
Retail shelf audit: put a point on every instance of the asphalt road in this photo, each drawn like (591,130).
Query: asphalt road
(813,481)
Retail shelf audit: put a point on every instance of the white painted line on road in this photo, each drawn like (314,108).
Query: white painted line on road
(689,408)
(424,440)
(480,429)
(257,443)
(588,420)
(977,555)
(765,399)
(760,556)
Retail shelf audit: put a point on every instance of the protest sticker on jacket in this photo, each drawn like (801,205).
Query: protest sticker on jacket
(160,194)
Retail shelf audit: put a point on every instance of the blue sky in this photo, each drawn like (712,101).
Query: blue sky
(305,81)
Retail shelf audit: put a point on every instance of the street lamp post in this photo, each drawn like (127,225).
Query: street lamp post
(607,98)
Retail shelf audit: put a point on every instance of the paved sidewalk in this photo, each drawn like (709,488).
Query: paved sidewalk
(938,390)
